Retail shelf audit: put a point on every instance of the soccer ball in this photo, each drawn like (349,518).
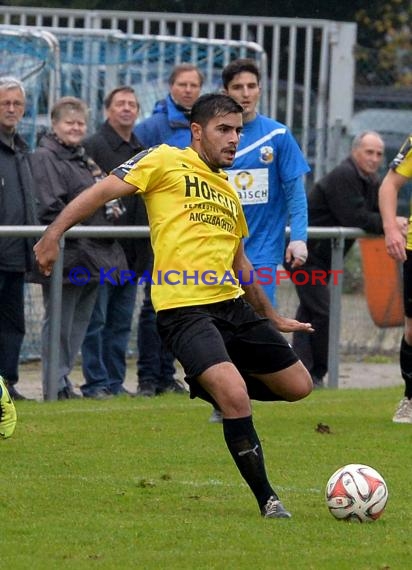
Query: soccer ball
(356,492)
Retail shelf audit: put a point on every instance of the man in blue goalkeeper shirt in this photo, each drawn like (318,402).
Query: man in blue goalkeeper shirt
(268,176)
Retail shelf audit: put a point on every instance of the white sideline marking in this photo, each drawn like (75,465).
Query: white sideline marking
(134,483)
(100,406)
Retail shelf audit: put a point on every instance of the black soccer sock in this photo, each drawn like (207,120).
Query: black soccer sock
(244,446)
(405,358)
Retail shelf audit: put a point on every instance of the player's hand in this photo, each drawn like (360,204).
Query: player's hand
(395,244)
(402,223)
(284,324)
(46,251)
(296,253)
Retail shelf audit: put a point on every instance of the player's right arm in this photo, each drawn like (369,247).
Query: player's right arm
(388,199)
(46,249)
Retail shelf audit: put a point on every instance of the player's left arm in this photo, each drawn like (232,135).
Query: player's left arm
(395,239)
(297,205)
(256,296)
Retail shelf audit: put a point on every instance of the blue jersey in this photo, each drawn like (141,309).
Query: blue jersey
(267,163)
(168,124)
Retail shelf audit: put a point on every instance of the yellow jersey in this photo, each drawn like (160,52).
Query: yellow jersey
(196,223)
(402,164)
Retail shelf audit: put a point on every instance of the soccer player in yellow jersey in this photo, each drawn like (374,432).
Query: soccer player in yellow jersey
(399,247)
(211,313)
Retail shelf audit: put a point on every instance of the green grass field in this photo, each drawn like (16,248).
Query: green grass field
(136,483)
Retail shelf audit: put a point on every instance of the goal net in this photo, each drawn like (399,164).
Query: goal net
(96,61)
(32,57)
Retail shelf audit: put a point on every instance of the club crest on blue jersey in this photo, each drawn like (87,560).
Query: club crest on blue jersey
(243,180)
(266,154)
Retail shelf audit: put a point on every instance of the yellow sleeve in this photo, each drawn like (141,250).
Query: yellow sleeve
(402,163)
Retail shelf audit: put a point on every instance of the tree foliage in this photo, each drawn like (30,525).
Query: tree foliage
(317,9)
(387,30)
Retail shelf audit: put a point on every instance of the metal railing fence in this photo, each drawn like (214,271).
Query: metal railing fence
(337,235)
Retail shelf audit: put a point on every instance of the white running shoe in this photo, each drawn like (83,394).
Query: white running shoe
(403,414)
(216,417)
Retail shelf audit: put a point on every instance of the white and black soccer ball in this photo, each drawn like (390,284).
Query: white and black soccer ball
(356,492)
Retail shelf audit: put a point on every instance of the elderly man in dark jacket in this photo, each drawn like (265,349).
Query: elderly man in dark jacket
(17,208)
(346,196)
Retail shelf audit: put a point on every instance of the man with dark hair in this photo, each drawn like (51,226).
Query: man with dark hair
(104,348)
(17,208)
(268,175)
(225,336)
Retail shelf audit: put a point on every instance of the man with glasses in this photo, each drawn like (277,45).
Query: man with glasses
(16,209)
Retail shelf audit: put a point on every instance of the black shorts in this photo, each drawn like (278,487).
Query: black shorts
(230,331)
(407,284)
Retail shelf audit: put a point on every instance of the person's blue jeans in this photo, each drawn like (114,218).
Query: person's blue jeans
(155,364)
(104,349)
(267,280)
(11,323)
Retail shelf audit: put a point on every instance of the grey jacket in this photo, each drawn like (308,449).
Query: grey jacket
(17,206)
(62,173)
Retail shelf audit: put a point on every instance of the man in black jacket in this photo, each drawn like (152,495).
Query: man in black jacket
(16,209)
(104,348)
(346,196)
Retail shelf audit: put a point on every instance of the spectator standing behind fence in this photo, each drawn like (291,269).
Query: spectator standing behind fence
(104,348)
(169,124)
(268,176)
(62,170)
(399,246)
(346,196)
(227,342)
(17,208)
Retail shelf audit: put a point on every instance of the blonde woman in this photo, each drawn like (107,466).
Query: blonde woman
(62,170)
